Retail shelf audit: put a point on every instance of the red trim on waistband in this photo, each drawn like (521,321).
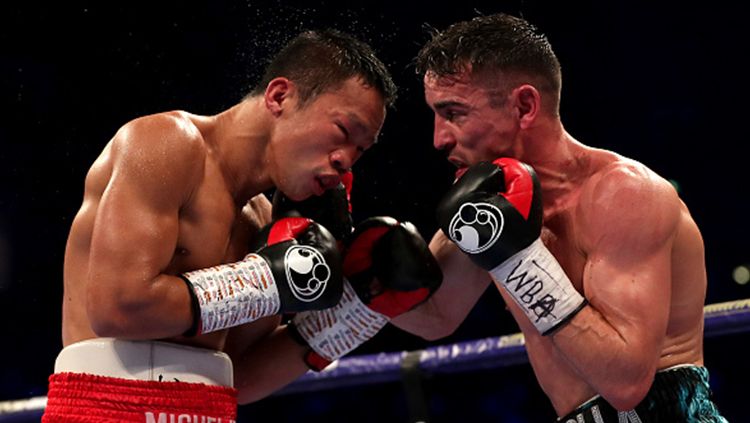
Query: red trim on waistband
(77,397)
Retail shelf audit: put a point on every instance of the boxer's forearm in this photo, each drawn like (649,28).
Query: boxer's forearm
(161,310)
(439,316)
(267,366)
(463,284)
(625,362)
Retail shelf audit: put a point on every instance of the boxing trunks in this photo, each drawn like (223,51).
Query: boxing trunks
(678,394)
(109,380)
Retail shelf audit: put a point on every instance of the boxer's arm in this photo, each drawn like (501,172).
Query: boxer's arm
(463,284)
(615,343)
(267,365)
(156,164)
(264,358)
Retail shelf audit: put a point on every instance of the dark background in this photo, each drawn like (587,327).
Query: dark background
(659,82)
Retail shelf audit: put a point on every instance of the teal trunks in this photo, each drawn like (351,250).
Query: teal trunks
(678,394)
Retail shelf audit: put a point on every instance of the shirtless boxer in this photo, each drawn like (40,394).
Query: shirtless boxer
(597,258)
(159,249)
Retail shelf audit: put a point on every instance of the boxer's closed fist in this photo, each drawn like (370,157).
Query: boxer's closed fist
(390,270)
(295,267)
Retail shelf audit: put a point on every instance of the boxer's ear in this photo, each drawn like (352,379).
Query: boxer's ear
(278,94)
(527,103)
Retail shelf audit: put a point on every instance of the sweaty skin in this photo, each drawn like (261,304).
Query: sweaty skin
(174,192)
(199,228)
(620,232)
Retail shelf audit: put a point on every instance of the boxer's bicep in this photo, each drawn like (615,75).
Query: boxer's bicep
(463,284)
(624,326)
(631,223)
(136,228)
(627,276)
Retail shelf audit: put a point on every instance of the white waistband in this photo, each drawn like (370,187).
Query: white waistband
(146,360)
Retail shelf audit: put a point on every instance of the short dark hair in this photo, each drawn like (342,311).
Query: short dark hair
(319,61)
(490,43)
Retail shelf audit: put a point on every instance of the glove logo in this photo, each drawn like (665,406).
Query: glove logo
(476,227)
(306,272)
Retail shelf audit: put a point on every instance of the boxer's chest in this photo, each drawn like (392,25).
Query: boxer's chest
(562,235)
(210,231)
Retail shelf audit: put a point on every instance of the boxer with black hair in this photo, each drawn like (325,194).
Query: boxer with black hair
(173,293)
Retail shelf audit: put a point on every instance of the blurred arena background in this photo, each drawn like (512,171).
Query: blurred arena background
(662,82)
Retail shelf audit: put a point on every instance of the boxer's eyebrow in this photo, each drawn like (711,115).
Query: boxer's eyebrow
(444,104)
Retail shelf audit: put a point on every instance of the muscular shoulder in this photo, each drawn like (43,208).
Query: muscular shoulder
(169,142)
(170,136)
(624,203)
(163,152)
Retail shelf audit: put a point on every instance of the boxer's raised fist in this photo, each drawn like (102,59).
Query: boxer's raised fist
(494,214)
(493,211)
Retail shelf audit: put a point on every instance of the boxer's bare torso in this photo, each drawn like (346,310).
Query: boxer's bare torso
(646,287)
(647,297)
(199,227)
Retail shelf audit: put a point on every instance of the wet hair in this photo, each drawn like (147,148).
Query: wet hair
(493,45)
(320,61)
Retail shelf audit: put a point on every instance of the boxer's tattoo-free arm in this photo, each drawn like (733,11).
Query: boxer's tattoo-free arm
(155,167)
(463,284)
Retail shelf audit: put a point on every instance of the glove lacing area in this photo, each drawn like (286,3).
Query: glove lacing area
(334,332)
(233,294)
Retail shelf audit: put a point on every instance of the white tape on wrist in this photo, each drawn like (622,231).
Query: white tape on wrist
(334,332)
(235,293)
(538,284)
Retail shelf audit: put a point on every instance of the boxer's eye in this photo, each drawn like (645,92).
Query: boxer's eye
(343,130)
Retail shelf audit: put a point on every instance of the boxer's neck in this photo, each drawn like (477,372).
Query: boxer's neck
(559,160)
(240,138)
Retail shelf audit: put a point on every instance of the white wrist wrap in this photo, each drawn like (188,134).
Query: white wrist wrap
(336,331)
(235,293)
(537,283)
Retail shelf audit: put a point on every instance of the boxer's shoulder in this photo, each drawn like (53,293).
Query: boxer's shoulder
(166,147)
(624,201)
(612,171)
(172,132)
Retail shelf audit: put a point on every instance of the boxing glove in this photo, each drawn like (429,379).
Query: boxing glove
(494,214)
(295,267)
(332,209)
(389,270)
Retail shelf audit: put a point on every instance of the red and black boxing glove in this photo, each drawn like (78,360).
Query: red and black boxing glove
(490,200)
(296,266)
(494,214)
(390,270)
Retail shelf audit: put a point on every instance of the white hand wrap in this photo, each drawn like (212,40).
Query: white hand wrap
(538,284)
(236,293)
(336,331)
